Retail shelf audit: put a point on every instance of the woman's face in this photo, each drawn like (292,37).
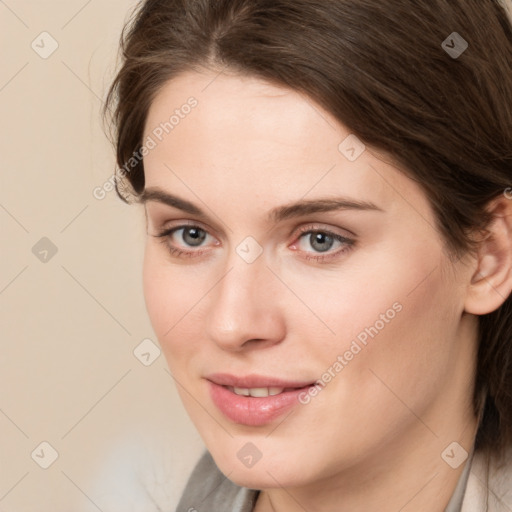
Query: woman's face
(292,255)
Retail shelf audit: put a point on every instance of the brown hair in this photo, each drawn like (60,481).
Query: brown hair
(380,68)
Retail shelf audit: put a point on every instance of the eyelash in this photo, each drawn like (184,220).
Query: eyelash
(348,243)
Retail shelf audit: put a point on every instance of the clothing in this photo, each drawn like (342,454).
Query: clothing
(208,490)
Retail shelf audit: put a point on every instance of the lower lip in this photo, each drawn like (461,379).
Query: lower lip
(253,411)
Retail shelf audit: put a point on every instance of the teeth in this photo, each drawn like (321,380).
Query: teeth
(258,392)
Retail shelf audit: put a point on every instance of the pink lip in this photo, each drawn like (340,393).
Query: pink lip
(253,411)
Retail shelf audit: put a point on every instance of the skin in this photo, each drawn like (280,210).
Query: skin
(372,439)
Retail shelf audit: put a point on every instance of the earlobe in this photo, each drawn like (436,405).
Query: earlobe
(491,282)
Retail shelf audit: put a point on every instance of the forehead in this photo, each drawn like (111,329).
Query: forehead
(240,105)
(250,137)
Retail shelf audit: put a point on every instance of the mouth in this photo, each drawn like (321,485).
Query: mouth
(254,400)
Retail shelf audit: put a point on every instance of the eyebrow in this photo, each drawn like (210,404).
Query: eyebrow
(298,209)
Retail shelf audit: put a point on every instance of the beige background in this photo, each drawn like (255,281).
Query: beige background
(71,322)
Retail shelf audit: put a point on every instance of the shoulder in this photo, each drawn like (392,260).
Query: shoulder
(489,486)
(208,489)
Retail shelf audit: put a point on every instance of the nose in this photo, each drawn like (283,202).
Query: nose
(244,309)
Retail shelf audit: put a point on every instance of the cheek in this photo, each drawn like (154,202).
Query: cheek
(396,317)
(411,355)
(156,293)
(366,295)
(167,296)
(176,298)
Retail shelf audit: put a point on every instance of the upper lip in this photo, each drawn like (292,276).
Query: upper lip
(255,381)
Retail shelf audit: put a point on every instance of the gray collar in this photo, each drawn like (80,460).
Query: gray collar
(455,504)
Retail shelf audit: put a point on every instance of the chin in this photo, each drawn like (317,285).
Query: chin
(268,472)
(260,479)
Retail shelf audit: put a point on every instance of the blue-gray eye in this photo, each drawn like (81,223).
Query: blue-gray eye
(193,236)
(321,242)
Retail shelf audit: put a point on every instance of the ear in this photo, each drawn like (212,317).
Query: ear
(491,282)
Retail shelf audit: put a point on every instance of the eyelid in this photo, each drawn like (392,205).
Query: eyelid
(323,228)
(167,227)
(159,214)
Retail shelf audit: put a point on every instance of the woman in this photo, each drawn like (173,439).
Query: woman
(328,265)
